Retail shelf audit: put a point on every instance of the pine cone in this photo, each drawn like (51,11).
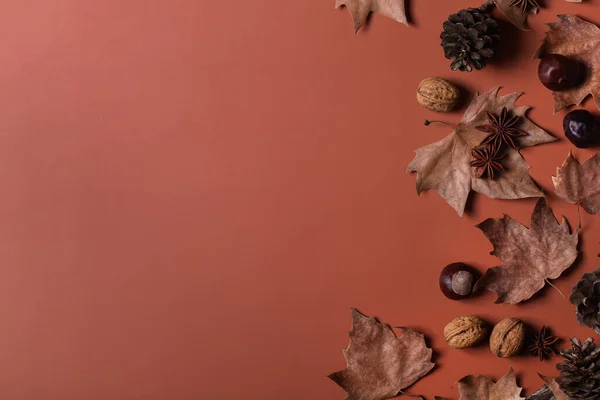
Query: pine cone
(470,36)
(586,297)
(580,373)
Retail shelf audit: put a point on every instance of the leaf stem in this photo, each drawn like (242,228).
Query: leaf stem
(412,395)
(557,289)
(428,122)
(579,215)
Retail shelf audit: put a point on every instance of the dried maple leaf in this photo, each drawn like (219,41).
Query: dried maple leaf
(515,12)
(578,39)
(381,365)
(552,385)
(543,393)
(486,388)
(483,388)
(529,256)
(360,9)
(445,165)
(579,183)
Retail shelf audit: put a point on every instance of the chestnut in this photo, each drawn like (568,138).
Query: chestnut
(582,128)
(558,72)
(457,281)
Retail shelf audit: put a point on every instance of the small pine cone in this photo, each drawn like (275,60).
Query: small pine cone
(469,37)
(586,298)
(580,372)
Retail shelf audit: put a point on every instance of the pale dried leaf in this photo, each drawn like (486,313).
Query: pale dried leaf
(543,393)
(360,9)
(554,387)
(573,37)
(529,256)
(483,388)
(381,365)
(580,183)
(444,165)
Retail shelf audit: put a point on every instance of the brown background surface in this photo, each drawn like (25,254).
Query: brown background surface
(194,193)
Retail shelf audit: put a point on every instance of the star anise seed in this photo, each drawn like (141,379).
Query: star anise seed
(542,345)
(526,4)
(501,130)
(486,162)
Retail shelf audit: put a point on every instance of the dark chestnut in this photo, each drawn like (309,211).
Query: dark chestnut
(558,72)
(457,281)
(582,128)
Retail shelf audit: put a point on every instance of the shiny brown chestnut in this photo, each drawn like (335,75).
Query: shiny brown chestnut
(558,72)
(582,128)
(457,281)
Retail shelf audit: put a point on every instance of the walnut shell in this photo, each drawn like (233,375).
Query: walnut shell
(508,337)
(437,94)
(465,332)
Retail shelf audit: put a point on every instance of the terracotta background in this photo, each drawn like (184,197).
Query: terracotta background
(194,193)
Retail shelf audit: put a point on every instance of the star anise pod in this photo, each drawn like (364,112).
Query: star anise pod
(525,4)
(486,162)
(542,345)
(501,130)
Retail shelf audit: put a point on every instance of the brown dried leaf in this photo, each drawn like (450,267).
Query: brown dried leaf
(483,388)
(529,256)
(514,14)
(580,183)
(543,393)
(360,9)
(550,391)
(573,37)
(381,365)
(445,165)
(554,387)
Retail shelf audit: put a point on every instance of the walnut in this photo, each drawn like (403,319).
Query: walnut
(437,94)
(465,332)
(508,337)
